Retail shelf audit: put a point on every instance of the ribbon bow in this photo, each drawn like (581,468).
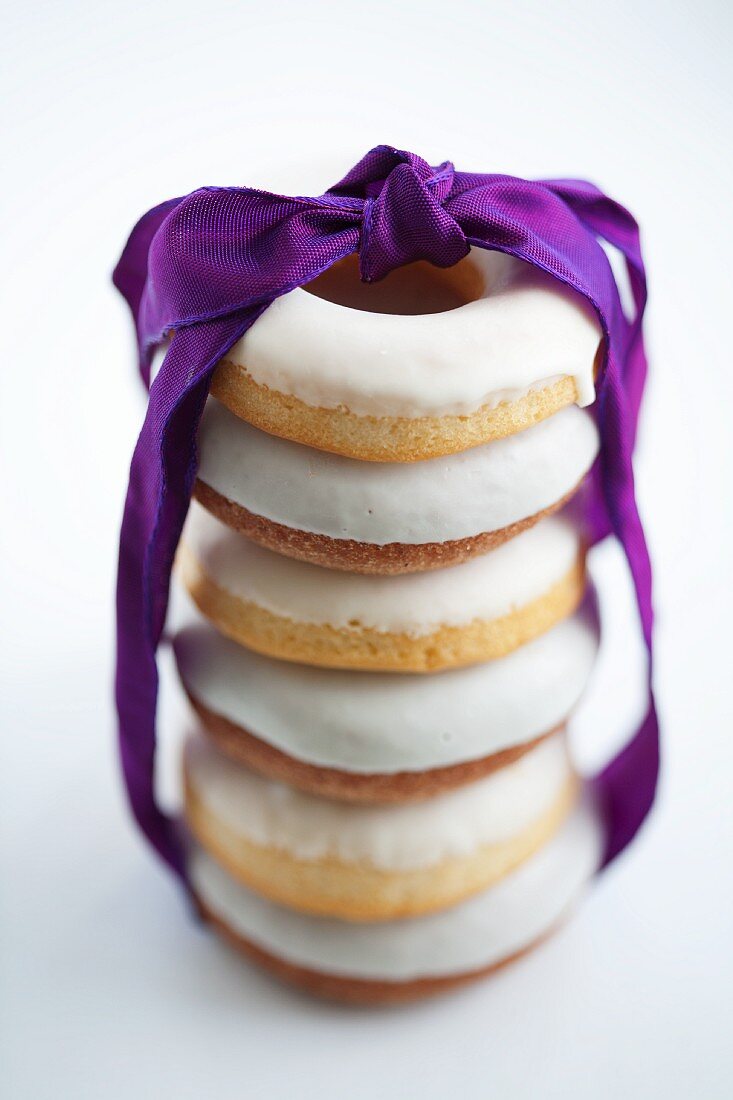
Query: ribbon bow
(205,266)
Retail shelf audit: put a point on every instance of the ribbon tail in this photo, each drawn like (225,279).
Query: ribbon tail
(162,474)
(627,785)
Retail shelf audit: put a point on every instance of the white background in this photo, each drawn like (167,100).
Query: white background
(108,987)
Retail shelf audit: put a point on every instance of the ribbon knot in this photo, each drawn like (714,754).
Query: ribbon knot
(403,200)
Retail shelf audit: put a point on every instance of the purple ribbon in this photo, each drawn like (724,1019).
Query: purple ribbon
(205,266)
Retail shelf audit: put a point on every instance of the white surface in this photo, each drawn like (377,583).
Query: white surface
(378,722)
(523,331)
(483,930)
(452,497)
(420,834)
(486,587)
(107,985)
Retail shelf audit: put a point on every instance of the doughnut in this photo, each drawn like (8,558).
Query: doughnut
(374,737)
(372,863)
(476,611)
(426,362)
(403,960)
(370,517)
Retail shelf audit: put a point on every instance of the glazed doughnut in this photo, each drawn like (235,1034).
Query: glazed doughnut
(404,960)
(426,362)
(374,737)
(388,518)
(477,611)
(373,863)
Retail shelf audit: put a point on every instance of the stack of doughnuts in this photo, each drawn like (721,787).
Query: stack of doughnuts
(391,627)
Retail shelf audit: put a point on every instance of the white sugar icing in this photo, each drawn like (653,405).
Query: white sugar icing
(380,723)
(485,587)
(436,500)
(525,330)
(475,934)
(393,837)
